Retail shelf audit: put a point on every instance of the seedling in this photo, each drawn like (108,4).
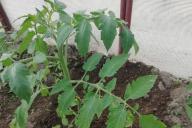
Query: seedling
(26,75)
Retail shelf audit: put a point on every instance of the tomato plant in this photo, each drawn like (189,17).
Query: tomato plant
(22,71)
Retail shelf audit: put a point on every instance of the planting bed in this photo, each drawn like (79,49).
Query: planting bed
(166,100)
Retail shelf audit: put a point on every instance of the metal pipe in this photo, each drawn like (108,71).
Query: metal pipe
(128,14)
(4,19)
(125,14)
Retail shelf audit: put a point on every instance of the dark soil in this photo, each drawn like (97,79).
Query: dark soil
(43,115)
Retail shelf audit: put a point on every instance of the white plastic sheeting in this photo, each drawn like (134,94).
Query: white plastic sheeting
(162,28)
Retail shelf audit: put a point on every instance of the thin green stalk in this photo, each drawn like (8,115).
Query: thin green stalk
(63,64)
(107,92)
(31,58)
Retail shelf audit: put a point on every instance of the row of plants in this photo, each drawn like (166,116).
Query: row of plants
(21,68)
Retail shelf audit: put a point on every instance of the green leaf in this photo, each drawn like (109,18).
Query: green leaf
(87,111)
(41,74)
(62,85)
(117,117)
(41,29)
(5,75)
(176,126)
(113,65)
(26,41)
(6,59)
(106,101)
(188,110)
(189,87)
(63,33)
(111,85)
(82,37)
(31,48)
(21,115)
(44,90)
(100,107)
(59,6)
(150,121)
(39,57)
(130,119)
(136,47)
(92,62)
(108,30)
(41,45)
(64,17)
(140,87)
(127,39)
(65,100)
(19,82)
(25,26)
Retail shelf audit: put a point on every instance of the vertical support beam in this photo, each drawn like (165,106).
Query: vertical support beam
(126,14)
(126,10)
(4,19)
(123,9)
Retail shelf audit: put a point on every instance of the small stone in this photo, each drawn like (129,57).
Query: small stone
(168,79)
(146,96)
(175,119)
(155,70)
(161,86)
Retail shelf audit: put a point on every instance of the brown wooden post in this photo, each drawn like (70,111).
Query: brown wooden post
(4,19)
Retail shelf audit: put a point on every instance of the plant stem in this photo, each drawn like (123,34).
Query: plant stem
(31,58)
(107,92)
(98,43)
(63,63)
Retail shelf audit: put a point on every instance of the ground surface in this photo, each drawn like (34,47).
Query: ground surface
(166,99)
